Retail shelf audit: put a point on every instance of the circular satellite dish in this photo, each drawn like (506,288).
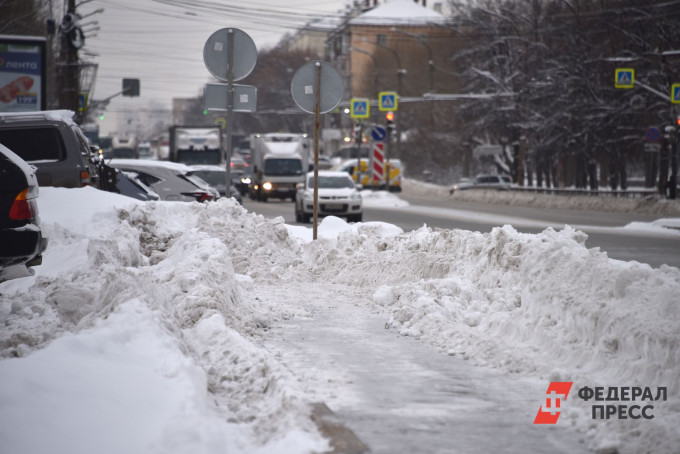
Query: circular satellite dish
(216,54)
(304,87)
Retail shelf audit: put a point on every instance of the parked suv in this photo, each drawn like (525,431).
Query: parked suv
(21,239)
(53,143)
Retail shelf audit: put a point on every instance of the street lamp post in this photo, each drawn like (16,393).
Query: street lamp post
(375,64)
(430,61)
(400,75)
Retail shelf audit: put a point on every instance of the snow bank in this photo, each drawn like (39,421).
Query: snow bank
(151,288)
(536,305)
(154,293)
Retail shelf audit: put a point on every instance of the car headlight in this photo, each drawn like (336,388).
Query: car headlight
(307,195)
(267,186)
(356,196)
(245,180)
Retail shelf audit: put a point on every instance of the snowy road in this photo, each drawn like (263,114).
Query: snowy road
(398,394)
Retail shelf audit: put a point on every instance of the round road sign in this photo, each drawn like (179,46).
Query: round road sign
(304,87)
(378,133)
(652,134)
(243,55)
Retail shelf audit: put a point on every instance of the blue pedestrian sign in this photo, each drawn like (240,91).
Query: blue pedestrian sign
(378,133)
(387,100)
(675,93)
(82,101)
(624,78)
(360,108)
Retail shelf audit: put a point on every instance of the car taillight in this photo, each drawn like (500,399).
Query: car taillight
(200,196)
(84,178)
(23,208)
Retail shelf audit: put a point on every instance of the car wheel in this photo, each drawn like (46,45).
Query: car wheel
(306,218)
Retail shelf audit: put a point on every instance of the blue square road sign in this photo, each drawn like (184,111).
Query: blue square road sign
(675,93)
(360,108)
(388,101)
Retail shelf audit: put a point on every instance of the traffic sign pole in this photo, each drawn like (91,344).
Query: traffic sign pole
(240,61)
(317,109)
(306,89)
(230,103)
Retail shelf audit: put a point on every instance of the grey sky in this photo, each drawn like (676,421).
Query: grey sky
(161,41)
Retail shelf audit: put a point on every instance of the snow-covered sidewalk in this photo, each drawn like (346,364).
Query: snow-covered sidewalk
(398,394)
(184,327)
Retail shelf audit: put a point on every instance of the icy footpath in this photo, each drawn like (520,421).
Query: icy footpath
(534,306)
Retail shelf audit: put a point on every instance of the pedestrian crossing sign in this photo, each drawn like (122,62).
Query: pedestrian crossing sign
(675,93)
(361,108)
(387,100)
(624,78)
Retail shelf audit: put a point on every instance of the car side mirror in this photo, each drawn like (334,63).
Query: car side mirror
(359,186)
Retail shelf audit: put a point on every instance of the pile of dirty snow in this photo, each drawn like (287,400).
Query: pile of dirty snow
(138,315)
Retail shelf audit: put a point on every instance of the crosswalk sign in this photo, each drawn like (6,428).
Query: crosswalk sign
(82,101)
(360,108)
(675,93)
(624,78)
(387,100)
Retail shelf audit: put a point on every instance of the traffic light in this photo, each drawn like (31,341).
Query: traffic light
(131,87)
(389,117)
(205,112)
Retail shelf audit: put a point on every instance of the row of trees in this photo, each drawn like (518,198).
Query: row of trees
(551,64)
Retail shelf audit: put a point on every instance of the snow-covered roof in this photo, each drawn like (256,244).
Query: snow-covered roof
(327,24)
(399,12)
(52,115)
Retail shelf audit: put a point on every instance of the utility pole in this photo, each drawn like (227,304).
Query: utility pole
(68,84)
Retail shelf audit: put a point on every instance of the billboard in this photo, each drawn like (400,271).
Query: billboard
(22,73)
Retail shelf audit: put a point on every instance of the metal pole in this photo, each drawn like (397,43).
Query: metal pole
(317,109)
(230,103)
(430,61)
(400,74)
(359,140)
(68,90)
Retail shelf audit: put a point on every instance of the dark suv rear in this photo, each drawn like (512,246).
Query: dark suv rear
(21,240)
(53,143)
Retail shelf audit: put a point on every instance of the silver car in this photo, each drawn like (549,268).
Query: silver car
(338,196)
(172,181)
(216,176)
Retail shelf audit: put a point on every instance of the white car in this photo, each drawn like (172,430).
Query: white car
(338,196)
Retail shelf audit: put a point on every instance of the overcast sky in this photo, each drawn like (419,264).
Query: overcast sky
(161,42)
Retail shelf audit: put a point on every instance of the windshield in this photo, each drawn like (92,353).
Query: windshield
(332,182)
(282,166)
